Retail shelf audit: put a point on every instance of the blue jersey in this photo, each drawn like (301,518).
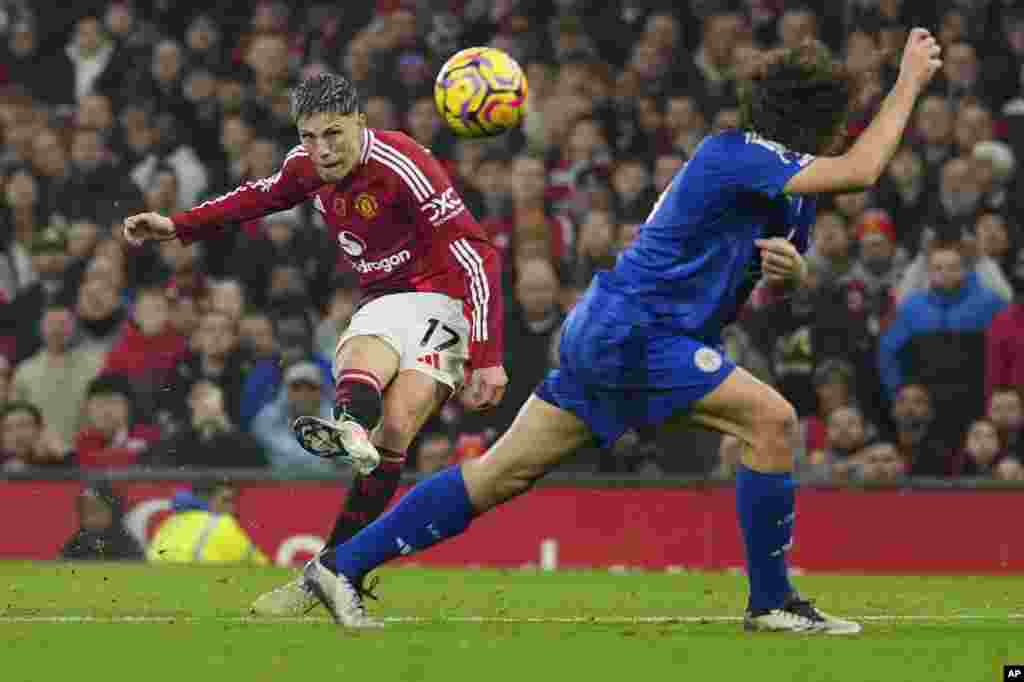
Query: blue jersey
(642,344)
(694,263)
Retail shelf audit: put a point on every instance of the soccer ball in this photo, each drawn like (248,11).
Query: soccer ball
(481,92)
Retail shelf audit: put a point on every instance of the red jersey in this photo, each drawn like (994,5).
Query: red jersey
(398,220)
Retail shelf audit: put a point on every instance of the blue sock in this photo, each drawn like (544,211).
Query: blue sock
(435,510)
(764,503)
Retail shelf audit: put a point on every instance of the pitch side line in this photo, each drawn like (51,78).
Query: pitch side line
(574,620)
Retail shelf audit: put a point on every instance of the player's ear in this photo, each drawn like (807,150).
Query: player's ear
(361,119)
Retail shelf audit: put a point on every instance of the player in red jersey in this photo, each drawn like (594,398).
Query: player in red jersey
(431,283)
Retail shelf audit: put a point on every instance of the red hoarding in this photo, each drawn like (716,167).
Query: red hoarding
(842,530)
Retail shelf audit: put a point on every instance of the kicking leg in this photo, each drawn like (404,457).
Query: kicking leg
(409,402)
(766,423)
(364,365)
(443,506)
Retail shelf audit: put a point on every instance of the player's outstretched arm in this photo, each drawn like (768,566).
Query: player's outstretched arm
(864,163)
(254,199)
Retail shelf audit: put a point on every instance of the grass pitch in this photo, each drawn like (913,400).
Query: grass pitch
(190,624)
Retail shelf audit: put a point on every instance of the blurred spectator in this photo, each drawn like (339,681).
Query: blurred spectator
(1006,412)
(831,247)
(151,142)
(596,246)
(340,307)
(665,168)
(56,378)
(100,313)
(294,336)
(209,440)
(994,241)
(960,76)
(634,189)
(833,389)
(529,216)
(24,210)
(112,436)
(847,435)
(214,355)
(148,346)
(881,463)
(903,191)
(434,454)
(25,442)
(204,529)
(228,297)
(50,261)
(94,59)
(96,189)
(813,325)
(101,533)
(303,393)
(1004,340)
(916,278)
(531,327)
(994,164)
(937,339)
(915,436)
(981,450)
(876,272)
(256,337)
(934,127)
(1009,469)
(46,76)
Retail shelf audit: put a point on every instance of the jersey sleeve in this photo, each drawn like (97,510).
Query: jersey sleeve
(254,199)
(763,166)
(439,210)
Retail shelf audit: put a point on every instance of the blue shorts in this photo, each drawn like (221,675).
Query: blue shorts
(621,369)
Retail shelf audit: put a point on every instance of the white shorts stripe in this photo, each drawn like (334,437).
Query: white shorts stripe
(404,159)
(417,191)
(476,293)
(479,263)
(478,280)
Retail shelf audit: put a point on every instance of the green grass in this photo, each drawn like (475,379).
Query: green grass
(63,621)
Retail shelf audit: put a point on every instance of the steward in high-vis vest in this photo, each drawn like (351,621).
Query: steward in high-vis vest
(203,529)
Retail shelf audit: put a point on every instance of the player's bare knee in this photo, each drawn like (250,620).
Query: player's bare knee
(399,425)
(775,430)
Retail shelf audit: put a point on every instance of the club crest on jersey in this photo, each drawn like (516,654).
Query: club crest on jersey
(366,205)
(351,244)
(340,207)
(707,360)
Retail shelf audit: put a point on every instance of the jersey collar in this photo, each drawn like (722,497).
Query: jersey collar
(368,138)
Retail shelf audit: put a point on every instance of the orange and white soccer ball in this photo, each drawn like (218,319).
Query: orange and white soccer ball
(481,92)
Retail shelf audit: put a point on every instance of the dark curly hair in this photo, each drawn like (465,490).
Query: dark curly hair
(798,97)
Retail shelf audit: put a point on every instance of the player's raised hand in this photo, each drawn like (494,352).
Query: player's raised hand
(780,261)
(148,226)
(485,389)
(920,58)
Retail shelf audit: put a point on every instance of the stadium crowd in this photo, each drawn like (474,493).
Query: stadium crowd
(904,355)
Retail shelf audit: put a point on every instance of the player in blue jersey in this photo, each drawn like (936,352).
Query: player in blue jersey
(642,348)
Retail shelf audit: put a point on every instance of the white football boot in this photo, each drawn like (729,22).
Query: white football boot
(294,598)
(345,439)
(343,600)
(798,615)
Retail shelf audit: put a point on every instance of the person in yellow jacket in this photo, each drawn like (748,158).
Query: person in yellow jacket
(203,529)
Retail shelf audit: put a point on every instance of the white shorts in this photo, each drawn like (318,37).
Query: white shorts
(429,332)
